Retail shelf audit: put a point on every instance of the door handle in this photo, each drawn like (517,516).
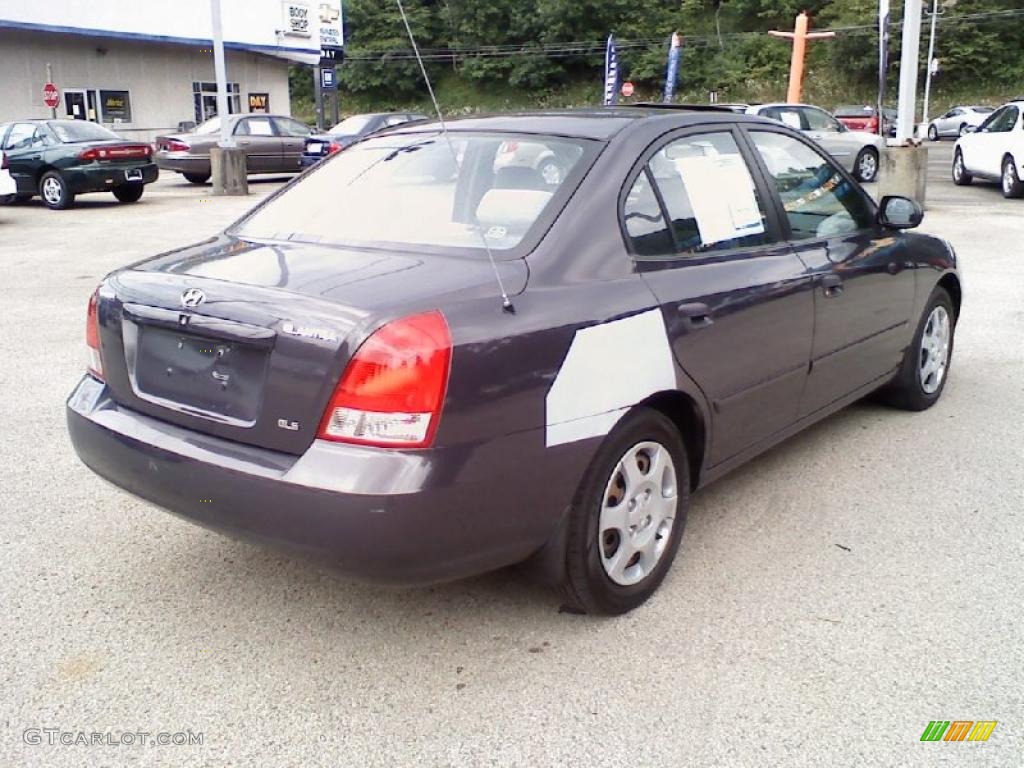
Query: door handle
(832,285)
(697,315)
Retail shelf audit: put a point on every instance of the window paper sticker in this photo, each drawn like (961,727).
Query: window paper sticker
(722,196)
(792,119)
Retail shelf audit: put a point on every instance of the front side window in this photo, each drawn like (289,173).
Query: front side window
(820,121)
(1000,121)
(424,192)
(818,200)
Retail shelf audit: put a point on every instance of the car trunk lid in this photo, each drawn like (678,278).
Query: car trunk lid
(247,341)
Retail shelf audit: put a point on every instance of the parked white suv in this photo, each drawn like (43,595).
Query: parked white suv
(994,151)
(8,188)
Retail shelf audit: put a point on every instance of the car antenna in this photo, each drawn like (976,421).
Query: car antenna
(506,303)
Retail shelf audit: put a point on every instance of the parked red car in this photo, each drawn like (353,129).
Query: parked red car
(864,117)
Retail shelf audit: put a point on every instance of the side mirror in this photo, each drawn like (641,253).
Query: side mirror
(897,212)
(970,128)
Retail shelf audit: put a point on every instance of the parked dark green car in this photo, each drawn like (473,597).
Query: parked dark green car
(58,159)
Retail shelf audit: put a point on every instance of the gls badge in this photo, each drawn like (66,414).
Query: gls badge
(291,426)
(307,333)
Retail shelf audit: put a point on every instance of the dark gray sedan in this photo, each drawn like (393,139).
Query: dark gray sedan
(272,144)
(422,363)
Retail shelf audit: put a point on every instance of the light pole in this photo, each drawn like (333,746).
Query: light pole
(931,58)
(908,71)
(227,161)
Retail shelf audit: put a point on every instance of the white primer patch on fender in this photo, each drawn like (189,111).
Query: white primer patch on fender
(609,368)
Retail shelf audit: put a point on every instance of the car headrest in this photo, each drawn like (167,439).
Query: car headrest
(518,177)
(512,209)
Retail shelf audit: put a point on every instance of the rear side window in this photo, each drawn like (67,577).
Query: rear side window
(818,200)
(707,193)
(255,126)
(790,116)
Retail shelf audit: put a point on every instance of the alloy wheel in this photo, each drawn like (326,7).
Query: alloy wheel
(868,166)
(958,166)
(1009,177)
(637,513)
(934,354)
(52,190)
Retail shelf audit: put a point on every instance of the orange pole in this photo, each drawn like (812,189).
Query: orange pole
(796,64)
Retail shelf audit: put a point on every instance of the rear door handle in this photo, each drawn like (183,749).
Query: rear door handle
(697,314)
(832,285)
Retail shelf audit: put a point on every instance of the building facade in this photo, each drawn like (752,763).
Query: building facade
(143,67)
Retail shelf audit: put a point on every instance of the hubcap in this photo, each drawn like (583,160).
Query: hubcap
(934,358)
(867,166)
(958,166)
(551,173)
(637,513)
(51,190)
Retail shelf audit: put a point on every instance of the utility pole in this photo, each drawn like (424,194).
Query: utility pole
(909,57)
(227,162)
(49,79)
(931,58)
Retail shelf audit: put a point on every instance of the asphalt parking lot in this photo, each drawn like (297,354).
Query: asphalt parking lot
(830,598)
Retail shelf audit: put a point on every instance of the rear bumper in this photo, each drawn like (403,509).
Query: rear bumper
(405,517)
(183,163)
(99,178)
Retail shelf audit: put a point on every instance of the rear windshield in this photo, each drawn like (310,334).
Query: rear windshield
(72,131)
(854,111)
(210,126)
(351,126)
(423,192)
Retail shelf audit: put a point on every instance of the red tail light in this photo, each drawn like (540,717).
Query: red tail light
(393,389)
(873,124)
(126,152)
(173,145)
(92,335)
(333,147)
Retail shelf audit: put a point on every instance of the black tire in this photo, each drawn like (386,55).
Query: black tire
(128,193)
(933,133)
(906,390)
(1010,182)
(869,172)
(54,191)
(960,175)
(197,178)
(587,587)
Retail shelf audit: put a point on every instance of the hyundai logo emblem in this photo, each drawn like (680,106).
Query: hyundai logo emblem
(193,297)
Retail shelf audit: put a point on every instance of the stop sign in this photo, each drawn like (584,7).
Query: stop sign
(51,97)
(627,89)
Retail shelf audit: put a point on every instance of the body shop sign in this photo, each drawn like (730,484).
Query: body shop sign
(297,19)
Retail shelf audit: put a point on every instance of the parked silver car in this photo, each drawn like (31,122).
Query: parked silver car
(957,121)
(857,151)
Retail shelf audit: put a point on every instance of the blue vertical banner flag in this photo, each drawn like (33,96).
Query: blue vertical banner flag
(611,73)
(883,55)
(675,48)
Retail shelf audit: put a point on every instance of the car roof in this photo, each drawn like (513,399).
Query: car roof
(600,123)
